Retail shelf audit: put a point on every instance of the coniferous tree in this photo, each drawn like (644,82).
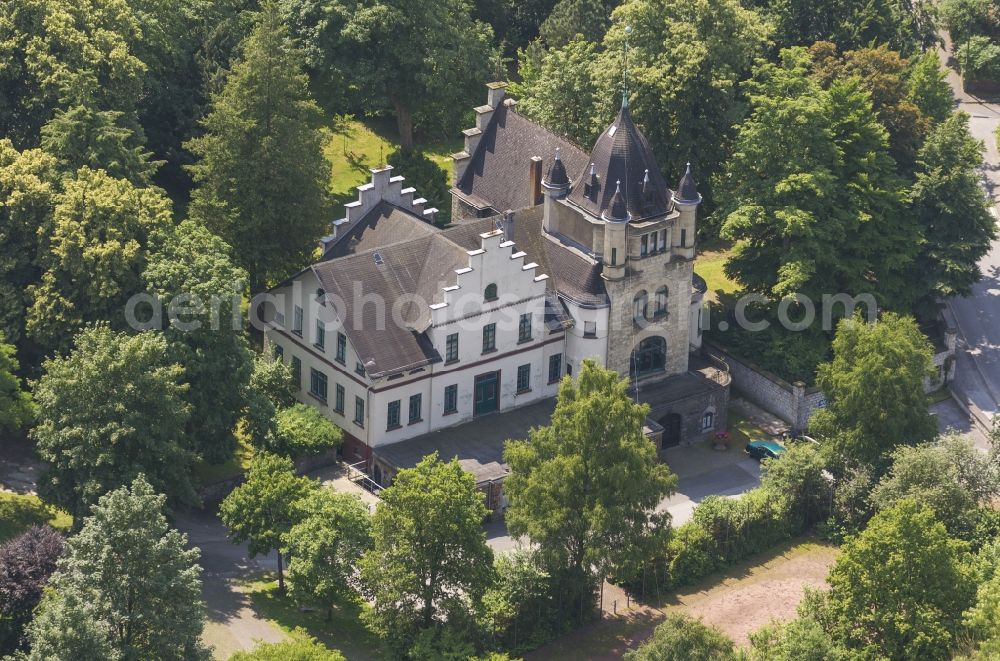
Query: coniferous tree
(261,175)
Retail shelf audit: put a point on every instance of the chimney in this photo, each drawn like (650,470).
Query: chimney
(508,225)
(535,181)
(495,93)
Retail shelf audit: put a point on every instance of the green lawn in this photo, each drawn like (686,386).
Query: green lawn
(344,631)
(709,265)
(18,512)
(355,146)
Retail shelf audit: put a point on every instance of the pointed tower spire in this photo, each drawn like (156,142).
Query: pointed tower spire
(618,209)
(687,189)
(556,176)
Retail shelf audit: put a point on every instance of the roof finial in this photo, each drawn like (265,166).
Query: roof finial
(557,153)
(628,31)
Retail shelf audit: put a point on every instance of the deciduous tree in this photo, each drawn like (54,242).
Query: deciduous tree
(808,176)
(263,509)
(561,90)
(109,411)
(26,562)
(584,488)
(29,182)
(127,587)
(268,391)
(93,254)
(429,556)
(325,547)
(303,429)
(898,589)
(193,278)
(423,59)
(954,215)
(874,388)
(58,53)
(683,638)
(301,647)
(16,407)
(261,175)
(686,63)
(948,475)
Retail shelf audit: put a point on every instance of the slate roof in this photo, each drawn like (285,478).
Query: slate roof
(687,189)
(572,275)
(497,176)
(623,154)
(420,267)
(383,225)
(556,175)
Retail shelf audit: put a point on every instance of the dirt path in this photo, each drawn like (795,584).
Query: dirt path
(743,602)
(738,602)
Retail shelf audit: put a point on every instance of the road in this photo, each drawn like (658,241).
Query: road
(977,317)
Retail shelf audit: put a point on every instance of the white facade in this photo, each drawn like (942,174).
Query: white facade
(462,310)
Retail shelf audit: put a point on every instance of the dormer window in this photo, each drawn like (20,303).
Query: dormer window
(491,292)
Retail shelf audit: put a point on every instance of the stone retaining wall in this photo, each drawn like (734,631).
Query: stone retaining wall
(795,402)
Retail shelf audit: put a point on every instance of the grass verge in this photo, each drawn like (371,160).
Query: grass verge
(344,631)
(710,265)
(18,512)
(355,146)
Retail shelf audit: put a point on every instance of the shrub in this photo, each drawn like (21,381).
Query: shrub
(302,429)
(683,638)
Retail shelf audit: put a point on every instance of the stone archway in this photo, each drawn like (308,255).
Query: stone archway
(650,356)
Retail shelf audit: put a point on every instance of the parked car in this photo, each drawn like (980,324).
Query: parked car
(764,449)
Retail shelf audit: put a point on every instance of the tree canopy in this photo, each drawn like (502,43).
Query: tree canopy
(810,194)
(92,255)
(325,546)
(898,589)
(261,175)
(26,562)
(192,276)
(264,508)
(127,586)
(874,388)
(584,488)
(111,410)
(16,407)
(429,556)
(682,638)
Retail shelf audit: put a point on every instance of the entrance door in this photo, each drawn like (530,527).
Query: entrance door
(671,429)
(487,393)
